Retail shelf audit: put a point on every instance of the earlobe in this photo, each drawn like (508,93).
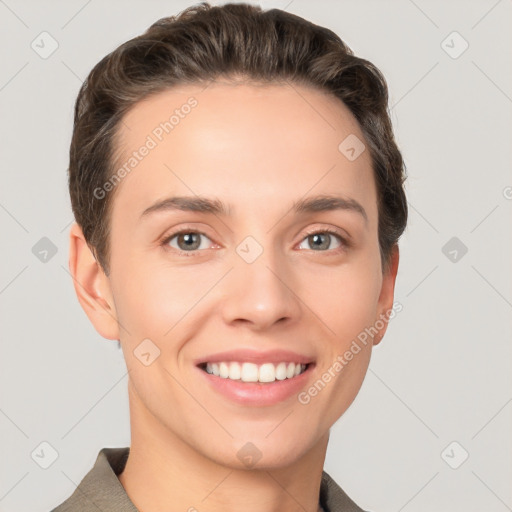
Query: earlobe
(387,295)
(92,286)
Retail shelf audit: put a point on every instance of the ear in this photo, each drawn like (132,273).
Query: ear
(92,286)
(387,294)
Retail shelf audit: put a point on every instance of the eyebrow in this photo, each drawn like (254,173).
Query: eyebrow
(214,206)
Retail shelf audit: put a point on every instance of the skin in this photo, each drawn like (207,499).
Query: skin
(259,148)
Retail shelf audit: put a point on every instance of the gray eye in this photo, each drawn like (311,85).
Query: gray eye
(187,240)
(320,241)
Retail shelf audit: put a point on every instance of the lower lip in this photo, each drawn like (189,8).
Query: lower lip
(258,393)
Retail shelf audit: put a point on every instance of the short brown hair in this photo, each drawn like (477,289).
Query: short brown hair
(206,42)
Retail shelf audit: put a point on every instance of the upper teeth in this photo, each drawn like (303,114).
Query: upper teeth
(250,372)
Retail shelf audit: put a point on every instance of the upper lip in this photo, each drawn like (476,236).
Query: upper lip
(256,356)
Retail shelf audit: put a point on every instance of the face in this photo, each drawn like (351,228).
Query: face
(261,282)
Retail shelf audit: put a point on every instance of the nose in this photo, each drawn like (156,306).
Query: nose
(261,294)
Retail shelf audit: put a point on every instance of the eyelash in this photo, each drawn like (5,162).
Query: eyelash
(345,244)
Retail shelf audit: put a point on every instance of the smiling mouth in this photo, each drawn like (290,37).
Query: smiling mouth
(251,372)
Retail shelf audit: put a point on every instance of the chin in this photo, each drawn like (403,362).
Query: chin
(263,453)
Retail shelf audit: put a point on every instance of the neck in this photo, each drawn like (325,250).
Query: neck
(165,473)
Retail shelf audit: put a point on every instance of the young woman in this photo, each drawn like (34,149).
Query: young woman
(238,196)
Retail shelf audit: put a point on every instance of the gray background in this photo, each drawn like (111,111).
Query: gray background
(442,373)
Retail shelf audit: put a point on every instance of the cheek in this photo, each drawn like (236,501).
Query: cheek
(344,298)
(151,297)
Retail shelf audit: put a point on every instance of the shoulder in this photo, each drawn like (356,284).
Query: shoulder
(100,488)
(334,499)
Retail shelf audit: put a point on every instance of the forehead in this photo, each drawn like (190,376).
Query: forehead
(245,143)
